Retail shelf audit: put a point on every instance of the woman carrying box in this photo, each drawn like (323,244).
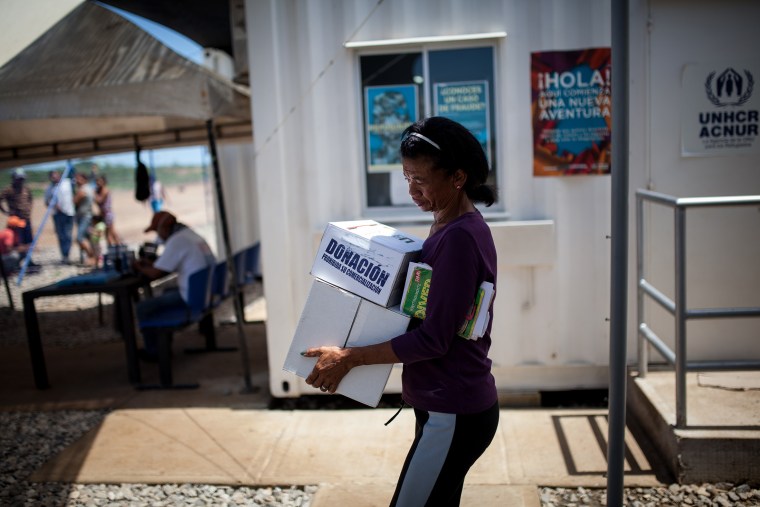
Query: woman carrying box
(446,379)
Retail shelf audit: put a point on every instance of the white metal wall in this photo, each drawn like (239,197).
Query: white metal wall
(240,195)
(723,246)
(549,330)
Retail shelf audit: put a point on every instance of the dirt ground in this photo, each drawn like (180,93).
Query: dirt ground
(77,320)
(191,203)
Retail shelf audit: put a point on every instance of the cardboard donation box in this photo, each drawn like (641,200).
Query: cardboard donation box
(333,316)
(366,258)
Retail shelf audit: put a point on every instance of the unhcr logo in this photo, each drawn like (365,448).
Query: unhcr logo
(730,88)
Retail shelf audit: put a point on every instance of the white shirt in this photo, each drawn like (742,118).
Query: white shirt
(156,190)
(185,252)
(65,202)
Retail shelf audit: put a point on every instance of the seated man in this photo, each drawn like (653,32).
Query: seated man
(185,252)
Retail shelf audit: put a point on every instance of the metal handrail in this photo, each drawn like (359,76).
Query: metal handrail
(678,307)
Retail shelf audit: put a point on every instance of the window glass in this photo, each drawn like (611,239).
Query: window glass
(463,81)
(392,97)
(400,88)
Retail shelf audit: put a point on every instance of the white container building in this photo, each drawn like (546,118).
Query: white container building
(312,67)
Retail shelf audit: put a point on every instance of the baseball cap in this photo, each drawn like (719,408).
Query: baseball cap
(19,173)
(158,218)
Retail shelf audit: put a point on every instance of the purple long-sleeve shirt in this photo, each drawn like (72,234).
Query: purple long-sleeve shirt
(442,371)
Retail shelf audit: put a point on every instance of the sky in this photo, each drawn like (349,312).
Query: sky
(195,155)
(190,50)
(176,41)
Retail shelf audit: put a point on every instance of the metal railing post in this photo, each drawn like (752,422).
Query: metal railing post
(677,307)
(680,315)
(643,348)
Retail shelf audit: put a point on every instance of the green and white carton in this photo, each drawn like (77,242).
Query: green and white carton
(415,296)
(416,289)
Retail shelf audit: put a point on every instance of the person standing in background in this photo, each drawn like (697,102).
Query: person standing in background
(83,199)
(98,233)
(157,194)
(103,198)
(63,211)
(18,203)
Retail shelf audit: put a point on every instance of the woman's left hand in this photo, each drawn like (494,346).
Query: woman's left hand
(333,364)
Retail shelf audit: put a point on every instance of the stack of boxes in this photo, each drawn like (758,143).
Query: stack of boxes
(359,274)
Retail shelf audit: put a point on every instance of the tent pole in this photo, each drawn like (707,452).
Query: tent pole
(231,268)
(619,258)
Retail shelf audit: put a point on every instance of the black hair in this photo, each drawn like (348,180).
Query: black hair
(450,146)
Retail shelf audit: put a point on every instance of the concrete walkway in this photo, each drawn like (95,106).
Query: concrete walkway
(216,434)
(345,449)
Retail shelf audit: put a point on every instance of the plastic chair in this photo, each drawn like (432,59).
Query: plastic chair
(246,270)
(220,286)
(240,267)
(220,291)
(174,318)
(251,263)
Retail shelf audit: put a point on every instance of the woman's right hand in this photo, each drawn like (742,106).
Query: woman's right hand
(333,364)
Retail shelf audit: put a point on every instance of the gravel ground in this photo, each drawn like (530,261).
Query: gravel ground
(29,439)
(83,330)
(707,495)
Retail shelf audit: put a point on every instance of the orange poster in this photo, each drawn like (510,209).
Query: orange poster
(571,106)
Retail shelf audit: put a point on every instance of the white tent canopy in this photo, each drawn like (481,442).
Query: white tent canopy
(95,83)
(24,20)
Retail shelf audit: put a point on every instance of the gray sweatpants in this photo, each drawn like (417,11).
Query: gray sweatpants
(445,447)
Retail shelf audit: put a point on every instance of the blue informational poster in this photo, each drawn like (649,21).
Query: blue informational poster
(467,103)
(390,110)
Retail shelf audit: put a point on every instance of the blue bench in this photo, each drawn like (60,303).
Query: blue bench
(220,287)
(220,291)
(246,268)
(176,318)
